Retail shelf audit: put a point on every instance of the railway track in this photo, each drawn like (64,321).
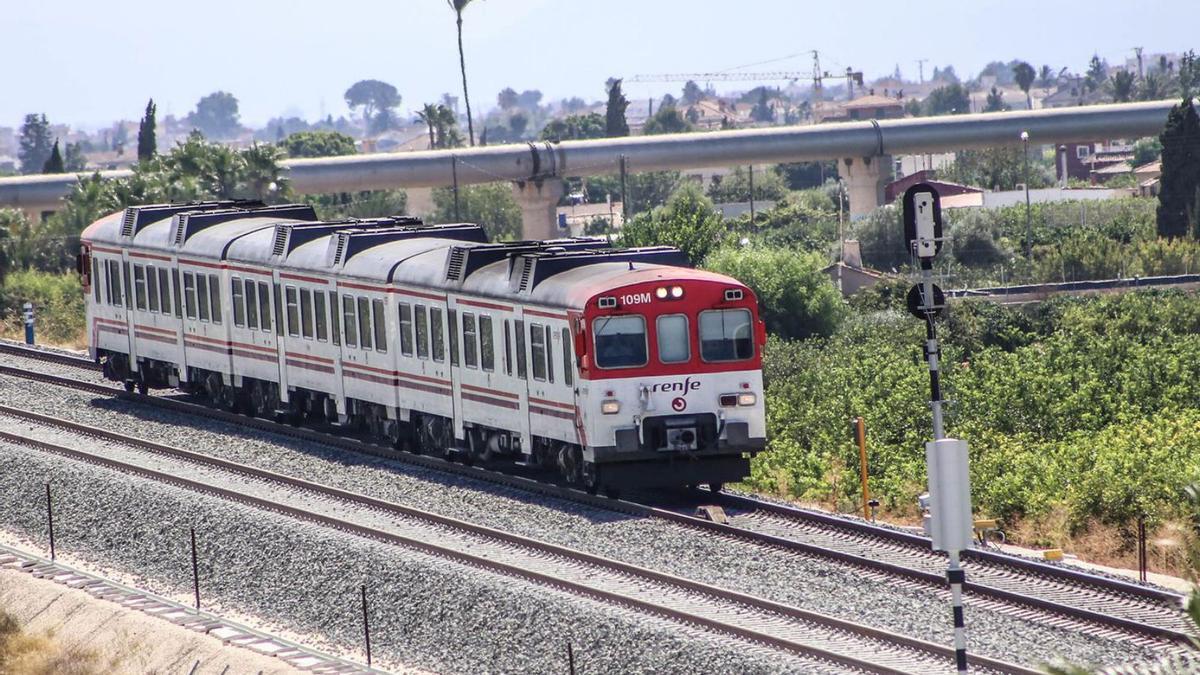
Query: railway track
(757,620)
(1060,595)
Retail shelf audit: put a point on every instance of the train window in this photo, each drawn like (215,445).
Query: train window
(380,322)
(348,315)
(151,289)
(322,316)
(519,333)
(406,329)
(726,335)
(95,279)
(453,333)
(537,347)
(278,310)
(568,367)
(178,295)
(507,349)
(127,285)
(139,287)
(364,323)
(251,305)
(214,293)
(336,333)
(237,292)
(114,283)
(470,346)
(202,296)
(620,341)
(306,313)
(673,338)
(435,328)
(189,294)
(264,305)
(107,282)
(422,321)
(164,289)
(549,356)
(293,311)
(487,348)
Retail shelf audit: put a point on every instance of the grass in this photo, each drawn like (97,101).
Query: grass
(22,653)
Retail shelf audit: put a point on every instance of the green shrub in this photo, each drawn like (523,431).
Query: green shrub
(57,300)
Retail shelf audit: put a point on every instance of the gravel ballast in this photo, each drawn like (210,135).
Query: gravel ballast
(786,577)
(425,611)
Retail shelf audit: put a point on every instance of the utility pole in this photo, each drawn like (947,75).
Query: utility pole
(921,70)
(1141,72)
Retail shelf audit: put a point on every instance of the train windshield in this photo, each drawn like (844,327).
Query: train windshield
(726,335)
(620,341)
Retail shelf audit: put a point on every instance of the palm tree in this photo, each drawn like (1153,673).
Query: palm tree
(1024,74)
(458,6)
(429,115)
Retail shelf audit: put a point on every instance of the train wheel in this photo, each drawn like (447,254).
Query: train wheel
(143,388)
(130,385)
(715,488)
(570,463)
(591,477)
(258,400)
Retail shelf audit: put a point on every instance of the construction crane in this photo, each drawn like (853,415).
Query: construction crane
(817,76)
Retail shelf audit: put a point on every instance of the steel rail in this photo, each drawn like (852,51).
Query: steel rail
(737,598)
(535,161)
(556,490)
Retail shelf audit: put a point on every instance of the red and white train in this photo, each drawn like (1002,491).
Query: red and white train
(622,368)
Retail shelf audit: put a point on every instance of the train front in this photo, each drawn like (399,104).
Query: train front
(671,380)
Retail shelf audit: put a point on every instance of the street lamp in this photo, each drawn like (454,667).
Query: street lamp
(1028,208)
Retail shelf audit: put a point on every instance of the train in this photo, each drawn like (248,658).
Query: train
(617,368)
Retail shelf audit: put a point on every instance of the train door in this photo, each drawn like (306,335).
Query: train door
(454,348)
(485,400)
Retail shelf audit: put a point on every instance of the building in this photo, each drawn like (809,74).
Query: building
(1081,161)
(894,190)
(869,107)
(1149,177)
(848,274)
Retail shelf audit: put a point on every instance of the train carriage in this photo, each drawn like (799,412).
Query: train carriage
(617,368)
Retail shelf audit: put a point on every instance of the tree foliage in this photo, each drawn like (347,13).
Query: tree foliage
(318,144)
(1179,194)
(378,101)
(735,186)
(614,110)
(795,297)
(458,6)
(995,101)
(574,127)
(216,116)
(147,134)
(688,221)
(35,144)
(54,163)
(492,205)
(666,120)
(1024,75)
(951,99)
(998,168)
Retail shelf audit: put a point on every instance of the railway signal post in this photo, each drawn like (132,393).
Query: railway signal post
(947,504)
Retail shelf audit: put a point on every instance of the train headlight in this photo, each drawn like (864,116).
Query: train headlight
(677,292)
(661,292)
(728,400)
(746,400)
(610,407)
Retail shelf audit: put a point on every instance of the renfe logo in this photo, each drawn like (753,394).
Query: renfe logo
(684,386)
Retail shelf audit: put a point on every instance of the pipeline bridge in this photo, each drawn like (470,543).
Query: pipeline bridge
(863,149)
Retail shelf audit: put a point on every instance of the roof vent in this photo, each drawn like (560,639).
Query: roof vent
(180,228)
(526,274)
(340,249)
(128,221)
(281,237)
(456,263)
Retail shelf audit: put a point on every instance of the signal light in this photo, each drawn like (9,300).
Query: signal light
(610,407)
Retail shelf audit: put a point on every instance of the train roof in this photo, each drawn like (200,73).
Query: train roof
(562,273)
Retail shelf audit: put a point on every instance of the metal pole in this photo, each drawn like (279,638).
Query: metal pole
(50,520)
(571,657)
(624,196)
(752,194)
(1141,548)
(28,323)
(454,178)
(366,624)
(861,430)
(956,577)
(1028,212)
(195,571)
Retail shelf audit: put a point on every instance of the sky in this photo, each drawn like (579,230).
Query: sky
(86,63)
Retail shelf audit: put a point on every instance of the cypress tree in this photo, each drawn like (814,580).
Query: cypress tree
(614,111)
(147,143)
(55,163)
(1180,182)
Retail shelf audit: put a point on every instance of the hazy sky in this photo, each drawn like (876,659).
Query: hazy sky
(87,63)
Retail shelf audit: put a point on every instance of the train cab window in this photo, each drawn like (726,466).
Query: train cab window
(470,346)
(238,293)
(422,322)
(453,333)
(674,343)
(519,334)
(151,289)
(537,347)
(293,311)
(264,305)
(380,322)
(406,329)
(487,348)
(202,297)
(436,332)
(189,294)
(214,294)
(568,367)
(322,316)
(336,333)
(620,341)
(348,321)
(139,287)
(726,335)
(114,283)
(364,323)
(507,349)
(306,313)
(164,290)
